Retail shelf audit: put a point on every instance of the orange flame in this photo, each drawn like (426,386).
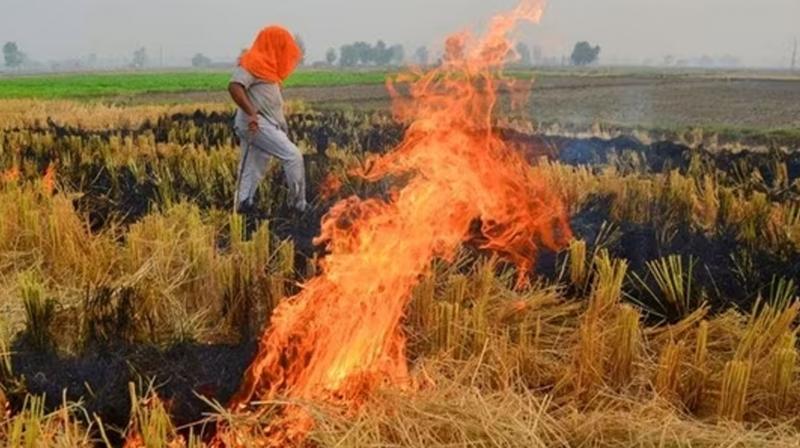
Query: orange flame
(330,186)
(342,336)
(48,180)
(11,175)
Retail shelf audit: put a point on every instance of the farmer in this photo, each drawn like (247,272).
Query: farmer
(260,123)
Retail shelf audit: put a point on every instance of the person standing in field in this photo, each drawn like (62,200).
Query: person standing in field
(260,123)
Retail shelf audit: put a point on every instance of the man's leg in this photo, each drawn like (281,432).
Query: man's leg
(277,143)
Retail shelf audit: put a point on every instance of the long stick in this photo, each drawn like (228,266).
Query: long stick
(241,172)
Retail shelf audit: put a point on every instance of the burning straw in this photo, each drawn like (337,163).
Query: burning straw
(342,336)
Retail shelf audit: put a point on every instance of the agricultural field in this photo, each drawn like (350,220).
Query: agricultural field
(98,85)
(755,107)
(132,297)
(614,261)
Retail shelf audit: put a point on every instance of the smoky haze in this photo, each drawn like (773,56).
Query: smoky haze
(753,33)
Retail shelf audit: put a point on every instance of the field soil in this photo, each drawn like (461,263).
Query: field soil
(634,101)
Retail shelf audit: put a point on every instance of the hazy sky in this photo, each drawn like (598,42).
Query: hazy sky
(759,32)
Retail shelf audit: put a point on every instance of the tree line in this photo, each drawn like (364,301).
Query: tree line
(365,54)
(356,54)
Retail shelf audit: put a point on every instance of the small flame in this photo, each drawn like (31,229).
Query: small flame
(330,186)
(48,180)
(342,335)
(11,175)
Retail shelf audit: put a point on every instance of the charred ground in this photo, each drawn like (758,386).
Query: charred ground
(640,201)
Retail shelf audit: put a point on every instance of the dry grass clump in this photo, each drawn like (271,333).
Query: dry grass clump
(671,286)
(39,311)
(578,271)
(150,425)
(167,280)
(673,201)
(447,415)
(32,427)
(23,113)
(37,230)
(733,395)
(700,366)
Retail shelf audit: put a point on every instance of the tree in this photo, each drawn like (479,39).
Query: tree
(13,57)
(330,56)
(397,54)
(200,60)
(524,54)
(139,58)
(348,56)
(364,52)
(422,56)
(381,54)
(537,55)
(584,53)
(302,44)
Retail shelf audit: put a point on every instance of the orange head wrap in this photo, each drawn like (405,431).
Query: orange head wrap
(273,56)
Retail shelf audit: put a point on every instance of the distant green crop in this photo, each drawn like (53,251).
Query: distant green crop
(115,84)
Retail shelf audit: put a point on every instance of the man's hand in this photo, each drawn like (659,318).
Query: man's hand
(252,123)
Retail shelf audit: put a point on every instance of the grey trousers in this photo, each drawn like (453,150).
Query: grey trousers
(257,148)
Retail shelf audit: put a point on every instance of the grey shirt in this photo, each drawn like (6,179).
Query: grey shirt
(265,96)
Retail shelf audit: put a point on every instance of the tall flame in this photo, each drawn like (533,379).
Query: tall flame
(341,336)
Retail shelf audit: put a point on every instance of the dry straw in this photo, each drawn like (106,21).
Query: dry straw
(733,393)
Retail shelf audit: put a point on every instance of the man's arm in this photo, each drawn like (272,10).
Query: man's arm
(239,96)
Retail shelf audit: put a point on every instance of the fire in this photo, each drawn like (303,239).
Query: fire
(342,335)
(11,175)
(48,180)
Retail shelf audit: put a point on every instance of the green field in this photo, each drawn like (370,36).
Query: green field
(85,85)
(95,85)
